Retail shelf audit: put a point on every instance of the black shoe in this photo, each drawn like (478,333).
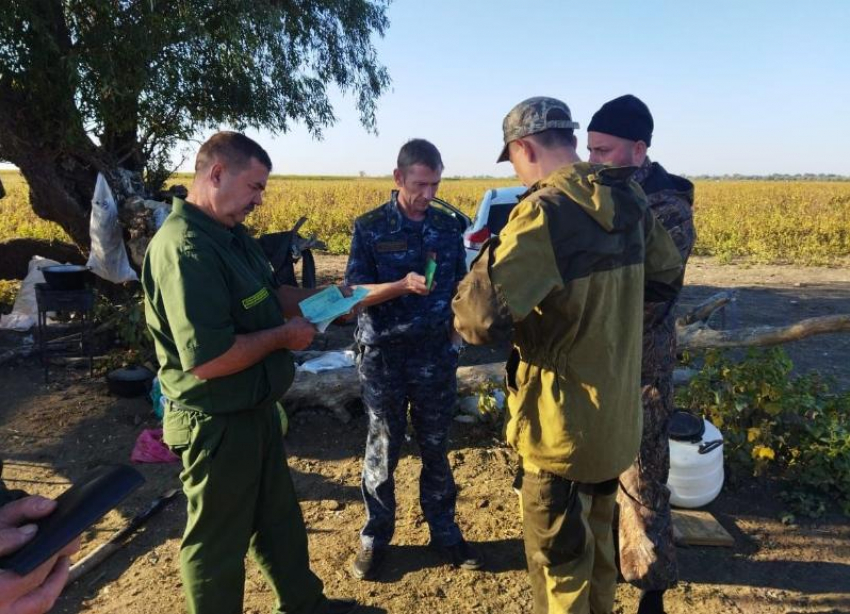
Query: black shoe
(366,562)
(651,602)
(339,606)
(463,555)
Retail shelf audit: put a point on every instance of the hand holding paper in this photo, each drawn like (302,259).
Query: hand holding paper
(324,307)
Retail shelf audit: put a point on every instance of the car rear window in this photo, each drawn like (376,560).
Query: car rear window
(498,217)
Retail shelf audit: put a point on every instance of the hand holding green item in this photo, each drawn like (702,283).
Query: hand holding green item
(430,269)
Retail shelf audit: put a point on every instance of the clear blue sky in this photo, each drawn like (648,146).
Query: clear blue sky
(751,87)
(746,86)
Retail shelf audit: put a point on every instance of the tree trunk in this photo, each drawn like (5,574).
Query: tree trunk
(60,191)
(15,255)
(42,132)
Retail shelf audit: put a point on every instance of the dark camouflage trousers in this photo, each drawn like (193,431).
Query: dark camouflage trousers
(647,550)
(422,377)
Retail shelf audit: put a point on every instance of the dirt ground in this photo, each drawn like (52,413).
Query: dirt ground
(50,435)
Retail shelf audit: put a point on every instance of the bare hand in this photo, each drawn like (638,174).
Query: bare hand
(298,333)
(414,283)
(347,291)
(37,591)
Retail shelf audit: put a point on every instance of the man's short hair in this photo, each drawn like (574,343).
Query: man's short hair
(554,138)
(419,151)
(233,148)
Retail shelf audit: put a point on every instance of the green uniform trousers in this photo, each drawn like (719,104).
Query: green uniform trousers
(240,498)
(569,544)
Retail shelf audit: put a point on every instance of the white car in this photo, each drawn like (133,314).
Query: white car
(491,216)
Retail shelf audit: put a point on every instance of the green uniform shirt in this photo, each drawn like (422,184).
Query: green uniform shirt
(204,284)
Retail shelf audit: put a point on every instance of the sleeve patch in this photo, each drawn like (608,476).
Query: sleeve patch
(256,298)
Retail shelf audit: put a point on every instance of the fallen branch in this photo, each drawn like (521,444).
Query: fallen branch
(28,349)
(699,336)
(336,389)
(102,552)
(703,311)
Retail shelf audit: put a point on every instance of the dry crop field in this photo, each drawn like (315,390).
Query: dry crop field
(799,222)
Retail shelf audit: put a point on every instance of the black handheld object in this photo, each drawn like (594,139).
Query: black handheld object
(77,509)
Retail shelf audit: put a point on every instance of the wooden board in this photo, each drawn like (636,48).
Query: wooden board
(698,528)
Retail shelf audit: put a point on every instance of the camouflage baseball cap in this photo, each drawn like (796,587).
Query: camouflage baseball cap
(532,116)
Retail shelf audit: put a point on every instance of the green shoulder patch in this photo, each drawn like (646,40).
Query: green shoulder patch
(256,298)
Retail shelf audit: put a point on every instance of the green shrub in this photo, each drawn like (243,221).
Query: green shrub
(795,428)
(125,318)
(8,292)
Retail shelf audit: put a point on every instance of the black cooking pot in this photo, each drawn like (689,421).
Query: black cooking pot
(66,276)
(130,381)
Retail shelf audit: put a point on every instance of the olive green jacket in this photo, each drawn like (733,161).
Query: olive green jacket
(566,279)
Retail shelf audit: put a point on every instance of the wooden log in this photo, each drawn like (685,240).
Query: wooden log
(336,389)
(698,336)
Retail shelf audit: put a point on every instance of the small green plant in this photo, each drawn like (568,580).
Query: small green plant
(9,289)
(126,318)
(492,398)
(796,428)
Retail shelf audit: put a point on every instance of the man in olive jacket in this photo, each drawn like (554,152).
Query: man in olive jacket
(566,280)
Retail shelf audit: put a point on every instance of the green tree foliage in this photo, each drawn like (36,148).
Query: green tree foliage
(91,85)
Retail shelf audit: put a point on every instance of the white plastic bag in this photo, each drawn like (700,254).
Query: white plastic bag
(329,361)
(108,257)
(25,310)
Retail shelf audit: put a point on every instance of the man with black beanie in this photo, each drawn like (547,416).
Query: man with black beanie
(619,134)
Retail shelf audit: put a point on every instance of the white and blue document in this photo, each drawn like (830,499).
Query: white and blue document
(323,308)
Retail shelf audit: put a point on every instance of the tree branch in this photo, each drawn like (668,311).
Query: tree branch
(703,311)
(699,336)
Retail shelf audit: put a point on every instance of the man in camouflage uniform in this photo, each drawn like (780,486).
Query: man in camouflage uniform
(565,280)
(619,134)
(408,353)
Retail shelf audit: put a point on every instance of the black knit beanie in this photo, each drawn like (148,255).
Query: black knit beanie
(626,117)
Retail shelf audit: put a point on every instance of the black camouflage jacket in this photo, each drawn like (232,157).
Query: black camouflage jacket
(671,199)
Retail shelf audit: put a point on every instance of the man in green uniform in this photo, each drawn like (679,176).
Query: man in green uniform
(223,335)
(565,280)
